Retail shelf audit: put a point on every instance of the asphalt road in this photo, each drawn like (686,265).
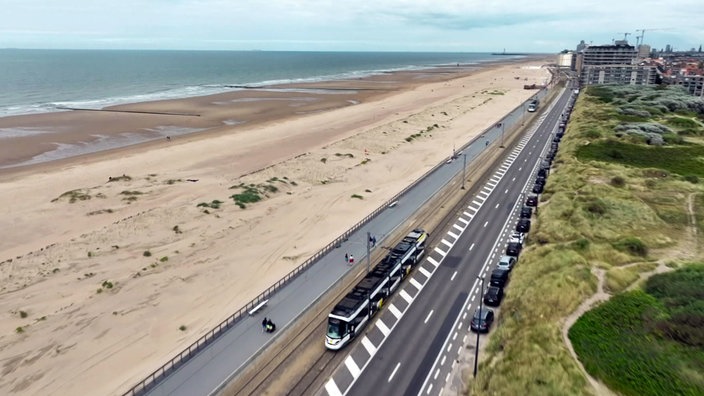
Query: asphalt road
(411,351)
(221,359)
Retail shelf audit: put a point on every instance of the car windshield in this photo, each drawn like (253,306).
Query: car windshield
(335,328)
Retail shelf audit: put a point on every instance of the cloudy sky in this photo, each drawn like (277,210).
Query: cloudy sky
(347,25)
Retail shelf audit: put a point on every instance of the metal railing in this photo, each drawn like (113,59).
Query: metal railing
(162,372)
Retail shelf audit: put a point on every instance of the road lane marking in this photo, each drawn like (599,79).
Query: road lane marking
(404,294)
(443,360)
(394,372)
(430,387)
(415,283)
(497,206)
(449,346)
(383,328)
(368,345)
(332,388)
(453,276)
(352,366)
(463,220)
(437,249)
(433,261)
(428,317)
(485,224)
(424,272)
(471,247)
(395,311)
(506,192)
(458,227)
(436,374)
(449,245)
(452,234)
(454,336)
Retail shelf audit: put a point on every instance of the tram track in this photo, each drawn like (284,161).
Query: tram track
(297,362)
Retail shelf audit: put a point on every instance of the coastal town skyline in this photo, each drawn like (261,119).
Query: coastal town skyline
(320,25)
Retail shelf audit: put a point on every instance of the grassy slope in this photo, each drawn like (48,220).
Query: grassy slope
(590,214)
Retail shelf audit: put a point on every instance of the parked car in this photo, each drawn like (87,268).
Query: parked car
(499,277)
(538,188)
(517,237)
(532,200)
(523,225)
(482,320)
(540,180)
(493,296)
(507,262)
(526,212)
(513,249)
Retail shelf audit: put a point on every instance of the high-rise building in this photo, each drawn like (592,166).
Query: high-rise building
(613,64)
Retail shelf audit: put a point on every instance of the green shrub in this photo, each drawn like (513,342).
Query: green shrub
(694,179)
(618,181)
(632,245)
(147,253)
(23,314)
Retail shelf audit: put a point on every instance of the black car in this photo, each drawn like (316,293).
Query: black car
(538,188)
(493,296)
(532,200)
(523,225)
(513,249)
(499,277)
(540,180)
(526,212)
(481,321)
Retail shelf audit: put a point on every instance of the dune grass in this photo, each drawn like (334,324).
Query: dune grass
(585,220)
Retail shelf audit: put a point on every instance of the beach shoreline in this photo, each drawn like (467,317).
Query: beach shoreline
(112,254)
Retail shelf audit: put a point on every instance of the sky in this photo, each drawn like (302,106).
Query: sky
(542,26)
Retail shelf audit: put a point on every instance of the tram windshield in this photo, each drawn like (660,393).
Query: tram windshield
(336,328)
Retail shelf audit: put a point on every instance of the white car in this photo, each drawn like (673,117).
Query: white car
(517,237)
(507,262)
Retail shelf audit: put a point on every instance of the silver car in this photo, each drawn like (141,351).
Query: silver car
(507,262)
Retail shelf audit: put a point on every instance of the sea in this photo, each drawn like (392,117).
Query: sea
(40,81)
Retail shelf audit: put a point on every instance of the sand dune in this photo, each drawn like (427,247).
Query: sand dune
(93,292)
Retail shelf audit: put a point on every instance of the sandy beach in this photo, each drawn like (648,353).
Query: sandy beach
(111,262)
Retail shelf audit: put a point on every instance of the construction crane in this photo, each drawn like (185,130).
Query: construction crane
(642,34)
(625,36)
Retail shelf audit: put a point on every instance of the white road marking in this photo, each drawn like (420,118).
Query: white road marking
(442,361)
(453,276)
(446,242)
(437,249)
(383,328)
(428,317)
(424,272)
(332,388)
(368,345)
(458,227)
(433,261)
(436,374)
(463,220)
(497,205)
(406,296)
(395,311)
(485,224)
(430,387)
(394,372)
(471,247)
(452,234)
(449,346)
(415,283)
(352,366)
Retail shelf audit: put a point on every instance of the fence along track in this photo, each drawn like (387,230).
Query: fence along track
(162,372)
(286,358)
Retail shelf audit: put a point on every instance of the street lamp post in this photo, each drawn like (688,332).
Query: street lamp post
(479,326)
(464,167)
(369,249)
